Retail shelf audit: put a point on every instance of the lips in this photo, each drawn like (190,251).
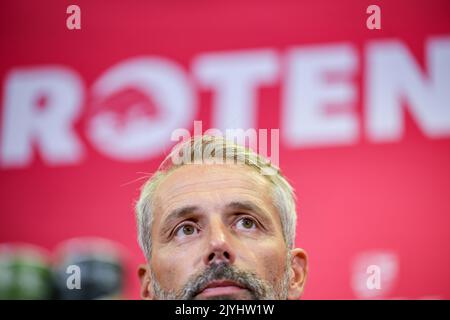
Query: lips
(223,283)
(221,287)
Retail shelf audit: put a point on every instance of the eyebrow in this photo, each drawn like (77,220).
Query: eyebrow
(175,215)
(248,206)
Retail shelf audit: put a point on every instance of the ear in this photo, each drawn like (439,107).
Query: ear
(299,272)
(145,280)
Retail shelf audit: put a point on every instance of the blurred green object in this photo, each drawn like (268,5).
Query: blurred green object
(25,272)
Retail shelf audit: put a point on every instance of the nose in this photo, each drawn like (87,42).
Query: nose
(219,246)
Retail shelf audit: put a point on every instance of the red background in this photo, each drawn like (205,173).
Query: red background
(383,197)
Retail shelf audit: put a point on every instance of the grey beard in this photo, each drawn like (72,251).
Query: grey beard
(258,288)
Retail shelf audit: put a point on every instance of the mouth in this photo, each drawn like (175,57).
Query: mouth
(221,287)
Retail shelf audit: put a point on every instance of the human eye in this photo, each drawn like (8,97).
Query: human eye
(246,223)
(186,230)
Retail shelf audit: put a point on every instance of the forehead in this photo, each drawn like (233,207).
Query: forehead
(212,185)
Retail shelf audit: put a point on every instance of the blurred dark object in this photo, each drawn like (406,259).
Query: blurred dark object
(98,263)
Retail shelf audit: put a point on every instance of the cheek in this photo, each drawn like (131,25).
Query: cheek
(275,271)
(271,262)
(173,269)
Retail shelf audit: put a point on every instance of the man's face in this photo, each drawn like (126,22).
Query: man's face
(216,234)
